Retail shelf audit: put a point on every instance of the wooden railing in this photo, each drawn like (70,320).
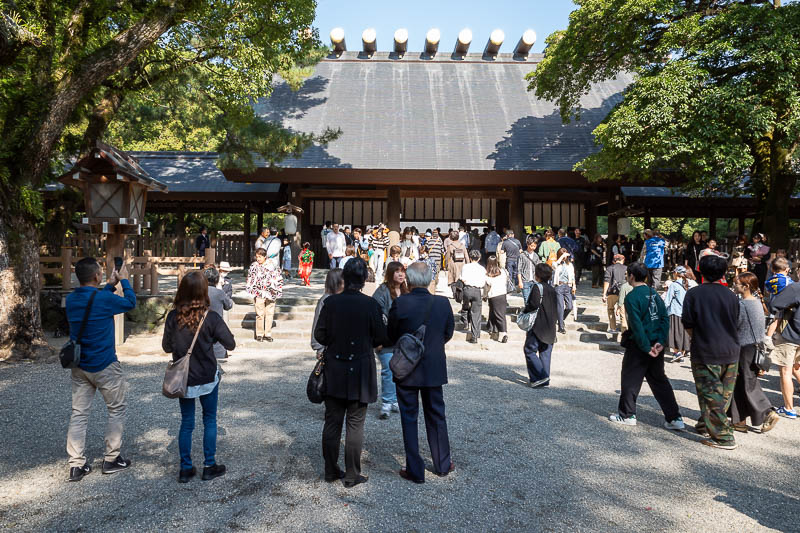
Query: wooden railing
(143,271)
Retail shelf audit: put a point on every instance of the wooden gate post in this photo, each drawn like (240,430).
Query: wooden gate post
(211,256)
(66,268)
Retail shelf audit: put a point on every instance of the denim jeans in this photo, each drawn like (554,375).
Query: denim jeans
(388,389)
(537,357)
(527,287)
(209,405)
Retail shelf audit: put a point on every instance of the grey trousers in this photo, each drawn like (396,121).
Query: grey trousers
(113,387)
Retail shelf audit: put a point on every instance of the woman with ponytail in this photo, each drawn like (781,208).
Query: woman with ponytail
(748,398)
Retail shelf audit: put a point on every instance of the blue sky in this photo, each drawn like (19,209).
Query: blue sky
(450,17)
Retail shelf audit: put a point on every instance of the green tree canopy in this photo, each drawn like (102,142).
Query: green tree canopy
(715,98)
(158,73)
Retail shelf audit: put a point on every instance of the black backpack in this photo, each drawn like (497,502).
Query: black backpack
(409,349)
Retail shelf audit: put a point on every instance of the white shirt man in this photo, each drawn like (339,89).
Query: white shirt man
(336,246)
(473,275)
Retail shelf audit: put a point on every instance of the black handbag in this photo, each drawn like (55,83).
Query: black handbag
(458,291)
(761,358)
(70,355)
(409,350)
(315,388)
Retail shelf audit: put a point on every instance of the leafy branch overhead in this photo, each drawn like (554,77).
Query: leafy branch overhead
(715,98)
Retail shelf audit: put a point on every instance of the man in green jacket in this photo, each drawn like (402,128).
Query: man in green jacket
(644,354)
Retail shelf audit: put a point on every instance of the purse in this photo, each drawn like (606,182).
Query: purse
(409,350)
(315,388)
(70,354)
(176,376)
(761,358)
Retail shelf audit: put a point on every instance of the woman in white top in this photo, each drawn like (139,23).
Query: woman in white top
(495,292)
(564,282)
(409,250)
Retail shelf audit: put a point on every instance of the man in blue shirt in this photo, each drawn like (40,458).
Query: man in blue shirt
(653,253)
(567,242)
(99,368)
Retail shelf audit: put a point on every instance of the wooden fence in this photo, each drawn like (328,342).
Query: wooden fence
(143,271)
(234,249)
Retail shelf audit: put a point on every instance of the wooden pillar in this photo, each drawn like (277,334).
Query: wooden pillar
(66,268)
(147,254)
(503,215)
(180,231)
(115,247)
(393,209)
(591,219)
(648,222)
(246,239)
(741,226)
(211,256)
(260,219)
(613,205)
(712,225)
(516,213)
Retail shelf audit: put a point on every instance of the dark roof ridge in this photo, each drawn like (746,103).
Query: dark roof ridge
(173,154)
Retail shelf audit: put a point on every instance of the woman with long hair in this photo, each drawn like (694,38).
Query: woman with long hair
(394,284)
(564,283)
(748,397)
(597,258)
(495,292)
(693,249)
(188,319)
(678,339)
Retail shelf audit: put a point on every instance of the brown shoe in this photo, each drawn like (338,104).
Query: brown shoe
(721,445)
(741,427)
(769,423)
(443,474)
(405,475)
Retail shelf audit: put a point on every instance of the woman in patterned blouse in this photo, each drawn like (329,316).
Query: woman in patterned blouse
(265,285)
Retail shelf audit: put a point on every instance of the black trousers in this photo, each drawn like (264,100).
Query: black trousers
(335,411)
(748,397)
(497,314)
(471,310)
(435,427)
(636,366)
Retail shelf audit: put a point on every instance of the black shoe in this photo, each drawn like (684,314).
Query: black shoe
(269,339)
(494,335)
(443,474)
(405,475)
(356,481)
(186,474)
(260,339)
(335,477)
(562,330)
(116,465)
(504,339)
(210,472)
(76,473)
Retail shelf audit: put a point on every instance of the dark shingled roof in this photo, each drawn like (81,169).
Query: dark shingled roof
(409,113)
(193,172)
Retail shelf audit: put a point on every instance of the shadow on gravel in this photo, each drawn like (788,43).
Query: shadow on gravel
(544,459)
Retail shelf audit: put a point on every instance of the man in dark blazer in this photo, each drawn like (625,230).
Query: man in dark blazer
(407,314)
(350,326)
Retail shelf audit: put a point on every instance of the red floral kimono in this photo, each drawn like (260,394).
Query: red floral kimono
(306,258)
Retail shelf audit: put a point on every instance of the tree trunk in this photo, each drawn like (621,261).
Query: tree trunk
(775,214)
(21,334)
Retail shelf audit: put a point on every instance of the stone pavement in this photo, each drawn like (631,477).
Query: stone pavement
(527,460)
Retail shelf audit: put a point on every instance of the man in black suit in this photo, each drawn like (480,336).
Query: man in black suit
(407,314)
(350,326)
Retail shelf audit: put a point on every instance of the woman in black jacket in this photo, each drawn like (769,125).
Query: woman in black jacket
(541,337)
(350,326)
(692,256)
(190,311)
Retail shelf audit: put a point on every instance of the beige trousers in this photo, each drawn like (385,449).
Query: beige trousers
(611,305)
(265,312)
(113,387)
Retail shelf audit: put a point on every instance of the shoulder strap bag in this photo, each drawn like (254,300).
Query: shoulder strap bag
(315,388)
(176,377)
(410,349)
(70,355)
(760,359)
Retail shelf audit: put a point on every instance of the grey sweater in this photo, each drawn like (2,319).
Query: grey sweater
(751,313)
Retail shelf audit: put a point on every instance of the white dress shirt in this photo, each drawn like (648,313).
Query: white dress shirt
(336,244)
(473,275)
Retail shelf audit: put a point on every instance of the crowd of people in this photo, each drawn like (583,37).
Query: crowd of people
(722,311)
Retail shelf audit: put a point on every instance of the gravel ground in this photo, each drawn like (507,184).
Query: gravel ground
(527,460)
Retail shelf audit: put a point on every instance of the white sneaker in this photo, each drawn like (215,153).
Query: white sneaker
(612,331)
(631,421)
(395,408)
(385,410)
(676,424)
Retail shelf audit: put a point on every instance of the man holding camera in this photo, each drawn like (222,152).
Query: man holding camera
(99,368)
